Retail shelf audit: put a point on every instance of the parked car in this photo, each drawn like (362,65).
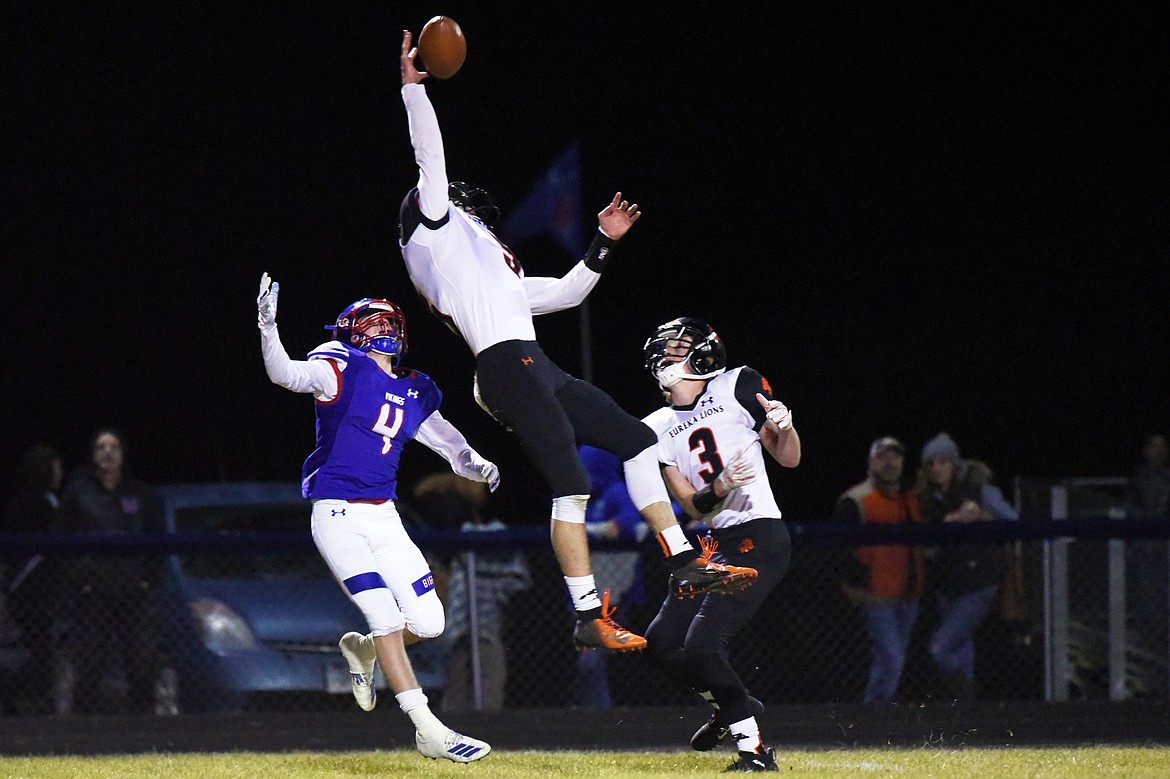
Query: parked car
(251,614)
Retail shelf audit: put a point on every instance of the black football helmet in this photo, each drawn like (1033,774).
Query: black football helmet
(705,353)
(475,201)
(372,325)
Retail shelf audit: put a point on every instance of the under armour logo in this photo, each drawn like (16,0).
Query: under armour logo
(706,401)
(337,513)
(591,594)
(527,360)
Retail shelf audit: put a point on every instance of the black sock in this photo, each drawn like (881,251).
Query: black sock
(589,614)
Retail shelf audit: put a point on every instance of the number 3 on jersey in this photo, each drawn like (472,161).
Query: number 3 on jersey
(703,440)
(388,431)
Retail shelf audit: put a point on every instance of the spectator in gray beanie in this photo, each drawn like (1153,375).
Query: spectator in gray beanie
(942,445)
(965,577)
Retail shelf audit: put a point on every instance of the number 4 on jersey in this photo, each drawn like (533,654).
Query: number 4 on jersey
(388,432)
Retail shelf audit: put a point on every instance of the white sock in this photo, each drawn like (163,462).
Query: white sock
(674,540)
(747,735)
(707,696)
(414,703)
(583,591)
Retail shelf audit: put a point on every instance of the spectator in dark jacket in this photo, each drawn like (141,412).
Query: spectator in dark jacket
(28,585)
(115,650)
(965,577)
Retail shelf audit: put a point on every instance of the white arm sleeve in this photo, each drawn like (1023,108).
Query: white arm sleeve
(546,294)
(316,376)
(441,437)
(428,151)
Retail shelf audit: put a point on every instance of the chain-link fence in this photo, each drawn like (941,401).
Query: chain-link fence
(243,615)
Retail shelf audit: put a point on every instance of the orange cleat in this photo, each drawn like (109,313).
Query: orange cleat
(702,575)
(606,634)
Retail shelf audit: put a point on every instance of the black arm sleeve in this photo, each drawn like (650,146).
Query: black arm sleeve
(746,386)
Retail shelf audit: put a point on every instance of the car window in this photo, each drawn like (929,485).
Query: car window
(250,563)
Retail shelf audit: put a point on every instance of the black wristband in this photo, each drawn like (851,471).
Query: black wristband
(706,500)
(599,251)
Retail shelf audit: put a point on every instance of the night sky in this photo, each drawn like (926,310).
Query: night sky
(909,219)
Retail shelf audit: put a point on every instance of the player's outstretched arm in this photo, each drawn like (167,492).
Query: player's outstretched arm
(296,375)
(442,437)
(546,295)
(425,136)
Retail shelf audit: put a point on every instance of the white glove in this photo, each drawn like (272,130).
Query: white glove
(777,413)
(266,302)
(736,473)
(474,467)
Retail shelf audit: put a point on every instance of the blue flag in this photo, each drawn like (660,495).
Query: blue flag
(552,206)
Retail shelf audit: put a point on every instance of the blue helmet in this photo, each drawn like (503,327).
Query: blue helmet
(372,325)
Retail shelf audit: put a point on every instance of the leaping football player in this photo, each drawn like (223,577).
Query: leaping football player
(477,285)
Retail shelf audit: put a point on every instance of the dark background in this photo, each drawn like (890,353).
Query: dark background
(909,219)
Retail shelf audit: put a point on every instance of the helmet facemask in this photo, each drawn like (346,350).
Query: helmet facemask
(373,326)
(682,343)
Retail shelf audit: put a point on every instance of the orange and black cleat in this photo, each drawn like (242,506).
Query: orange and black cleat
(702,575)
(606,634)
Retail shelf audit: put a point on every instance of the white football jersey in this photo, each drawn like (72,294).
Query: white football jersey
(701,439)
(466,275)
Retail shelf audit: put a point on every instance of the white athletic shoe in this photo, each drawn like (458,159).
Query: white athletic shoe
(444,742)
(359,652)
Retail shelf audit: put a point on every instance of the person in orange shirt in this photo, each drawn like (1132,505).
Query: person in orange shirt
(889,579)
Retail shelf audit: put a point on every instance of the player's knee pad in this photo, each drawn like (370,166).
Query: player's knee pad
(570,508)
(381,611)
(427,621)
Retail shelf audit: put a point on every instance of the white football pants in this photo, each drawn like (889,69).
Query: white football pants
(378,565)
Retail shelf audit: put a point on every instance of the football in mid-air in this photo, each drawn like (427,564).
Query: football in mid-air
(442,47)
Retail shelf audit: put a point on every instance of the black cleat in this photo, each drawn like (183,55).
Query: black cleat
(703,575)
(750,762)
(713,732)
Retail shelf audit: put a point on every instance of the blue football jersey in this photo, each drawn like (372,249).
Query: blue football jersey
(361,432)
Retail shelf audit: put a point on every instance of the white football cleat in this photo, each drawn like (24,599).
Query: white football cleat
(446,743)
(358,651)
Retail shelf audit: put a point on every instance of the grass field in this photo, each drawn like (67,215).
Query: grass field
(925,761)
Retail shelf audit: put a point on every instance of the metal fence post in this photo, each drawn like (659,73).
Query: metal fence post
(473,632)
(1056,604)
(1117,642)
